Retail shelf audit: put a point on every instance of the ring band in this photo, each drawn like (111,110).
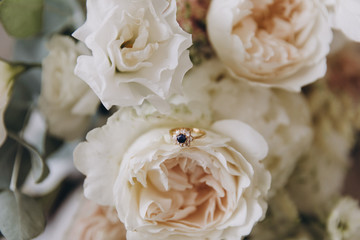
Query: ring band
(184,136)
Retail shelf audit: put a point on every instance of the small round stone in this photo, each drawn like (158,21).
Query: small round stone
(181,138)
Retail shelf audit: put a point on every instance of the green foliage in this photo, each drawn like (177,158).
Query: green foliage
(39,168)
(32,22)
(25,89)
(30,161)
(61,14)
(8,153)
(58,16)
(51,144)
(31,50)
(21,18)
(7,156)
(21,217)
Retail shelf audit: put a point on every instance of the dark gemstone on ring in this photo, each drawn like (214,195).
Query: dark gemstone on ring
(181,138)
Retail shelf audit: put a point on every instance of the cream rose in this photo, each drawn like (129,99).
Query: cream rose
(7,74)
(138,51)
(65,100)
(214,189)
(95,222)
(279,43)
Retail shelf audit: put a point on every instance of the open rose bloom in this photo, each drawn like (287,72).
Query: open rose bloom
(214,189)
(138,51)
(94,222)
(65,100)
(280,43)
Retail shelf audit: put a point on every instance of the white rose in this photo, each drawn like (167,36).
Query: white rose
(7,74)
(138,51)
(287,129)
(82,219)
(345,16)
(214,189)
(95,222)
(65,100)
(344,220)
(280,43)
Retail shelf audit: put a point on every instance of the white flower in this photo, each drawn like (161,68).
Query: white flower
(287,129)
(344,220)
(95,222)
(7,73)
(214,189)
(81,219)
(280,43)
(345,16)
(65,100)
(138,51)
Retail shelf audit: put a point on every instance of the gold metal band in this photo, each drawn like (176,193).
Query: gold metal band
(184,136)
(199,133)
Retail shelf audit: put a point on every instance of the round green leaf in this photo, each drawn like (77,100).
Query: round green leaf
(21,217)
(21,18)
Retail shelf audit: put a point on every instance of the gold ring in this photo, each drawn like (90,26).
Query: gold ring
(184,136)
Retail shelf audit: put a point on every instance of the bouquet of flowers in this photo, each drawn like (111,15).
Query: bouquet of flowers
(180,119)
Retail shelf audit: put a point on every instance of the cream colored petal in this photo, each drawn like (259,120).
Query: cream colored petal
(244,138)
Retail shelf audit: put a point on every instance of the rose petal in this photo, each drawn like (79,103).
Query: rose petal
(244,138)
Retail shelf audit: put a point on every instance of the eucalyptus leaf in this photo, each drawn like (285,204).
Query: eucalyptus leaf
(21,18)
(25,90)
(25,167)
(58,16)
(8,153)
(52,144)
(21,217)
(7,158)
(39,169)
(61,14)
(31,50)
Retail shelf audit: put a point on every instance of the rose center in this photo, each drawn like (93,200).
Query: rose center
(279,18)
(194,196)
(133,46)
(273,31)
